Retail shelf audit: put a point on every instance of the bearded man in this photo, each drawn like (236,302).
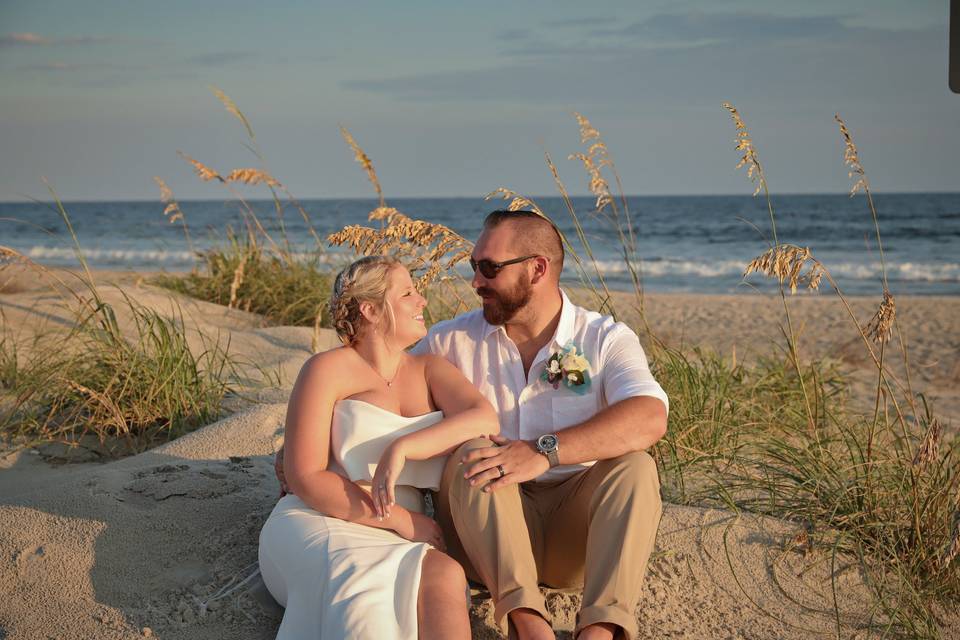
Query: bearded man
(566,496)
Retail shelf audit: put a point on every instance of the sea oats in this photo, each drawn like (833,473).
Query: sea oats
(231,106)
(253,177)
(166,195)
(786,262)
(598,185)
(364,161)
(433,248)
(517,201)
(749,157)
(385,214)
(929,449)
(204,172)
(851,158)
(237,281)
(587,131)
(172,210)
(598,148)
(880,327)
(11,256)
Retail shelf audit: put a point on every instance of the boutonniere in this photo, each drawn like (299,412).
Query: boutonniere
(568,367)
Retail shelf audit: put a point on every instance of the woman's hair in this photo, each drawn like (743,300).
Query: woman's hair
(363,281)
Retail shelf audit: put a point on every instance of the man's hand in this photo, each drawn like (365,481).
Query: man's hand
(417,527)
(519,461)
(278,469)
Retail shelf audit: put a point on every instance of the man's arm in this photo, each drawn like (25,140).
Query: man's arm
(633,424)
(629,425)
(635,419)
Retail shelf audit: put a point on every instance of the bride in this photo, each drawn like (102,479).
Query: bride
(350,552)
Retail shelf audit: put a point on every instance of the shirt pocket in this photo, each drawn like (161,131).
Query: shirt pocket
(573,410)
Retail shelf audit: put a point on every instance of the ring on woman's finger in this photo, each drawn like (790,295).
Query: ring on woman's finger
(500,469)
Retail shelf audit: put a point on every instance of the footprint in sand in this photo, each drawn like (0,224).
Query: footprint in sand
(29,560)
(199,483)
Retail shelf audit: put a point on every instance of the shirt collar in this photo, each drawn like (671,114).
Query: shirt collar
(561,336)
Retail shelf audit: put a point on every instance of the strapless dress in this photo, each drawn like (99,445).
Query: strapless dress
(339,579)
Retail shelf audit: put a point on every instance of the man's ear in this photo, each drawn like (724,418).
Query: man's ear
(541,266)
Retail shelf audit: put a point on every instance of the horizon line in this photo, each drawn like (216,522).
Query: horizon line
(28,200)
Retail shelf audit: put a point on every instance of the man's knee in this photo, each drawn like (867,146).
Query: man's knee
(634,472)
(468,446)
(453,473)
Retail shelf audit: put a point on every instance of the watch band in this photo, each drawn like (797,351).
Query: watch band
(553,457)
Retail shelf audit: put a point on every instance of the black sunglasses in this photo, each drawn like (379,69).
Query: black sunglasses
(489,269)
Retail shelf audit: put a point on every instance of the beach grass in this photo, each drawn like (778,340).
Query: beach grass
(243,274)
(97,387)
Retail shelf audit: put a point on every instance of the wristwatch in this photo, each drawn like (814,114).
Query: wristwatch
(549,445)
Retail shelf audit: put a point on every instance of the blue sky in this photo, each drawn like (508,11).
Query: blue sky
(455,99)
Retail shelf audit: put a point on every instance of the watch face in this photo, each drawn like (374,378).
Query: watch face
(548,442)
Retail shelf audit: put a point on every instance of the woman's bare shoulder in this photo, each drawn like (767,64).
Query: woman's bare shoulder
(330,361)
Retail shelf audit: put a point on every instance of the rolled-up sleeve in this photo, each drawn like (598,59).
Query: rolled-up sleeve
(626,373)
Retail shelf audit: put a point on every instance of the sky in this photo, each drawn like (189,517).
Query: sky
(458,98)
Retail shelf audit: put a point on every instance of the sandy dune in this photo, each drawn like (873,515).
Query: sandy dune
(154,544)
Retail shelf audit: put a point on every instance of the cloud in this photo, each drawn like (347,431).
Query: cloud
(219,58)
(13,39)
(511,35)
(589,21)
(694,62)
(54,66)
(35,39)
(698,27)
(695,30)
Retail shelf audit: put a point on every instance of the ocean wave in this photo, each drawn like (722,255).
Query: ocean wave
(139,256)
(654,268)
(904,271)
(150,256)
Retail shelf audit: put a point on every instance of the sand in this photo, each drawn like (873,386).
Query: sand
(163,544)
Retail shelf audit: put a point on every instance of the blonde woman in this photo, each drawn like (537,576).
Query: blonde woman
(349,552)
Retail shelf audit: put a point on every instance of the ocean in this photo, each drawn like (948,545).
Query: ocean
(697,244)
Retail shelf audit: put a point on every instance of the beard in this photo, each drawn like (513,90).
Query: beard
(502,306)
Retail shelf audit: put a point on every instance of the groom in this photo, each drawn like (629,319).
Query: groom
(566,496)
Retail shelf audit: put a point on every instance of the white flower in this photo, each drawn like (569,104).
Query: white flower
(572,377)
(554,367)
(574,362)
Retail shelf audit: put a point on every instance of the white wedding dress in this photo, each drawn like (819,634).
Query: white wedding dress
(339,579)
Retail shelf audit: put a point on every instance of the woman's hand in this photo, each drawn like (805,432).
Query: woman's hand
(385,478)
(417,527)
(278,469)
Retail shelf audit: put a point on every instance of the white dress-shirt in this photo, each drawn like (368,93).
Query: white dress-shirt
(529,407)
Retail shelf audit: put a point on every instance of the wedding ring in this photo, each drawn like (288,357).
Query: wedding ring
(500,469)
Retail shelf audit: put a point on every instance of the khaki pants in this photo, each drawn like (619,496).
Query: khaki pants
(595,529)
